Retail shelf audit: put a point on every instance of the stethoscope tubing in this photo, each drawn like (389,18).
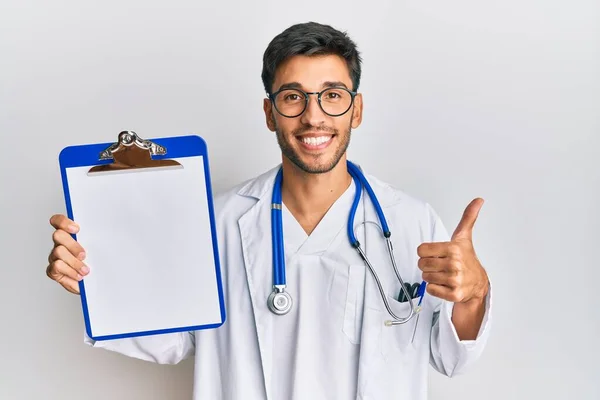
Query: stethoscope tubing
(277,233)
(279,279)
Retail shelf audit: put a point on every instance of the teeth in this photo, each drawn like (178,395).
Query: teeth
(315,141)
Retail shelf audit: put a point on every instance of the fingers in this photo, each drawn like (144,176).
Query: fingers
(59,268)
(67,273)
(432,264)
(66,276)
(448,285)
(437,278)
(441,292)
(454,295)
(70,284)
(62,238)
(65,262)
(447,272)
(60,253)
(61,222)
(440,249)
(444,278)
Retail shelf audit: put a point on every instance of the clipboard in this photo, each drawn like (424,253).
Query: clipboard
(147,223)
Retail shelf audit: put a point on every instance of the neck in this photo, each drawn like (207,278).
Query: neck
(309,196)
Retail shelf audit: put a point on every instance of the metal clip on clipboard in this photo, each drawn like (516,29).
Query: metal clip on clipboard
(132,152)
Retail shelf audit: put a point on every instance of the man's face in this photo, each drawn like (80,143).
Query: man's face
(314,141)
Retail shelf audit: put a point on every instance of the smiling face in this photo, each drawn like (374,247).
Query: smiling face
(314,141)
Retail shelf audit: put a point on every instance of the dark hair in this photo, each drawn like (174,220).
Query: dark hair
(309,39)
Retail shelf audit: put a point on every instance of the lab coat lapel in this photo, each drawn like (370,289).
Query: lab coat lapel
(255,233)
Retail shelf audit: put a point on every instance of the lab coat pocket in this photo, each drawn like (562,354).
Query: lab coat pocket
(353,309)
(397,338)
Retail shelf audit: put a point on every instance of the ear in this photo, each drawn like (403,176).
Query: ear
(357,111)
(270,118)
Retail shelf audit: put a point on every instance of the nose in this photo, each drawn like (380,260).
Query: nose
(313,115)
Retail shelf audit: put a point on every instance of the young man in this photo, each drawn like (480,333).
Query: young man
(334,342)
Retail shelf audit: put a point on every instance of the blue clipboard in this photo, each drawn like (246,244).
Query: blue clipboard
(157,303)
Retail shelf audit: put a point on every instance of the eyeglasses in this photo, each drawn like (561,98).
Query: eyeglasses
(334,101)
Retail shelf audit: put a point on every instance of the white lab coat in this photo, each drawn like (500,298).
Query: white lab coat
(353,354)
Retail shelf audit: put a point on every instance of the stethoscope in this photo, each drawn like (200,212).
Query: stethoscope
(280,301)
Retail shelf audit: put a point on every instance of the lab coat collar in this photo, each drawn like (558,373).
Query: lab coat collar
(261,186)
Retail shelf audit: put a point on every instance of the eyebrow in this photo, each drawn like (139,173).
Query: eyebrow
(335,84)
(297,85)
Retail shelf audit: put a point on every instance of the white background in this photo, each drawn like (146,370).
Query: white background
(462,98)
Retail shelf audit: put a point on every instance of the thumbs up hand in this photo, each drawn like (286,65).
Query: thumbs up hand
(451,269)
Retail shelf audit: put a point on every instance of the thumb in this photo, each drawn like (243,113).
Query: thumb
(464,230)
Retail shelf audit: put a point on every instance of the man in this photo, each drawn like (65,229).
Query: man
(333,343)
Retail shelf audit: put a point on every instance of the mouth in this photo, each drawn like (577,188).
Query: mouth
(315,142)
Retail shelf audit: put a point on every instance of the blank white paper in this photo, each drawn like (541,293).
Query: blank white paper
(148,243)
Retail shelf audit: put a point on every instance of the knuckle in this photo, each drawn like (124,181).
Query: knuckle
(57,265)
(53,270)
(455,265)
(59,251)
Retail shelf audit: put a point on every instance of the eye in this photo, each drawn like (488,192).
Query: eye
(334,95)
(292,97)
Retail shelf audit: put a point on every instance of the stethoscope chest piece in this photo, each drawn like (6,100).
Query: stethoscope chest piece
(279,302)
